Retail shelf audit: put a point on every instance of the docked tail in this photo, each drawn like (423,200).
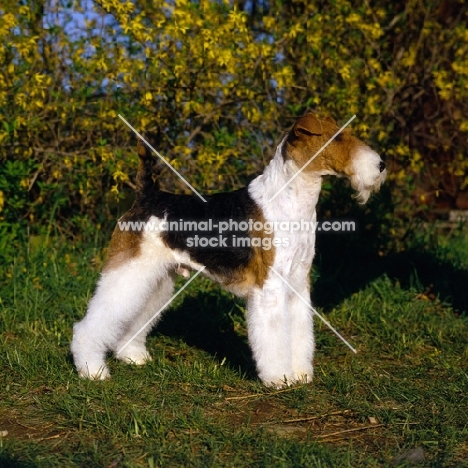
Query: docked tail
(144,178)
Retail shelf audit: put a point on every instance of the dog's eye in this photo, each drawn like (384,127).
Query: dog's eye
(304,131)
(339,137)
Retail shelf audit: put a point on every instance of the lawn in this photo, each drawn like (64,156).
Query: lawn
(401,399)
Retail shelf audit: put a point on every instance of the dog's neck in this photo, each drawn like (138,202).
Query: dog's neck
(295,201)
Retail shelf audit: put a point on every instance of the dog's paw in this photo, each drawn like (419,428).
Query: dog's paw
(94,373)
(303,376)
(137,356)
(299,378)
(275,381)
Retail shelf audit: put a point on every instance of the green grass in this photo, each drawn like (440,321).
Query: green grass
(198,403)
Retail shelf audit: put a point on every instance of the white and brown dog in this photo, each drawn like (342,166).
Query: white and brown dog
(138,277)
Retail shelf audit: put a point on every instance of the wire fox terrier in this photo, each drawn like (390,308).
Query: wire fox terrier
(137,280)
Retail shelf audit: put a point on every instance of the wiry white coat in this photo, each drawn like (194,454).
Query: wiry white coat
(280,325)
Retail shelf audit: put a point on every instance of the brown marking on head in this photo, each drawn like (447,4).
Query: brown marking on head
(124,246)
(310,123)
(308,136)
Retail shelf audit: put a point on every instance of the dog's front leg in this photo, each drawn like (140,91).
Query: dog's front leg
(302,333)
(269,329)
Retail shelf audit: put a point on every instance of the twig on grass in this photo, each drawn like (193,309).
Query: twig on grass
(61,439)
(55,436)
(311,418)
(259,395)
(333,434)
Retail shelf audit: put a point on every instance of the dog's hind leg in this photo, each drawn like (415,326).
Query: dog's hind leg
(130,347)
(121,295)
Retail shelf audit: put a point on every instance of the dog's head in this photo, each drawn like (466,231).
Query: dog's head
(314,143)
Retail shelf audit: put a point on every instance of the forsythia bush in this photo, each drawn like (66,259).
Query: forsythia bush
(215,83)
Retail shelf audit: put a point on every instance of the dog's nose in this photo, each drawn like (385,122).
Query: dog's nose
(381,166)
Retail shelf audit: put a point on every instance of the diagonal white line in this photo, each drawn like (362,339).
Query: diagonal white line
(312,158)
(167,164)
(162,308)
(307,303)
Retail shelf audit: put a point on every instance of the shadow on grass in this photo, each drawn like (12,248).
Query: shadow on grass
(347,262)
(9,462)
(344,266)
(208,321)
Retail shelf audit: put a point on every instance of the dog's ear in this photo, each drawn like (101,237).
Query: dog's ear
(331,120)
(310,123)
